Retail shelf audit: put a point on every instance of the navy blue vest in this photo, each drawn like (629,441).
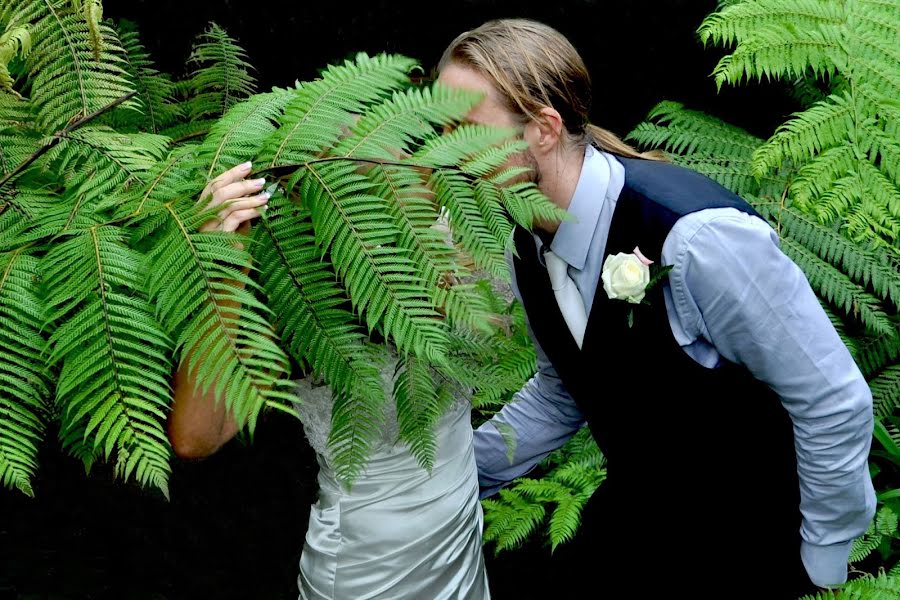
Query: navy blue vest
(693,454)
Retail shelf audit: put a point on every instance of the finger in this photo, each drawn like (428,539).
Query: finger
(244,203)
(230,176)
(233,220)
(238,189)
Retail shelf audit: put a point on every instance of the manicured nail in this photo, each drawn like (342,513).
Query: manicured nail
(246,166)
(266,195)
(258,182)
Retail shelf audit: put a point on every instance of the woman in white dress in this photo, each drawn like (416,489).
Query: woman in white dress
(400,532)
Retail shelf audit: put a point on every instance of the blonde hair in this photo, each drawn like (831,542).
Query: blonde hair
(532,66)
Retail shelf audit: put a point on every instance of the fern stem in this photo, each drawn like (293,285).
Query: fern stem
(58,136)
(74,53)
(373,161)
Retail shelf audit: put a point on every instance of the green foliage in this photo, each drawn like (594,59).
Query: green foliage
(844,146)
(107,283)
(570,476)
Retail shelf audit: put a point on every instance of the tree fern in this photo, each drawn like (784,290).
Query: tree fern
(101,163)
(195,280)
(321,110)
(420,405)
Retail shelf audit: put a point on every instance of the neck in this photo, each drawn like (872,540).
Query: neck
(560,172)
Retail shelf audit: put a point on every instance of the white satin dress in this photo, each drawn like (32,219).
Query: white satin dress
(399,533)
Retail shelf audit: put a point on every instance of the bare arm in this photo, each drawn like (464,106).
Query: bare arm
(198,424)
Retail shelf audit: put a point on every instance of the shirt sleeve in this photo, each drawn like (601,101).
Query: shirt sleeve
(542,416)
(732,285)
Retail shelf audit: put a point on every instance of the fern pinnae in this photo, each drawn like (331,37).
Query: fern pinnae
(831,284)
(420,404)
(191,275)
(60,64)
(408,117)
(380,282)
(454,191)
(320,110)
(114,381)
(307,302)
(23,374)
(236,136)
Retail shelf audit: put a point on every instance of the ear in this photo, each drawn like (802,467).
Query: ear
(545,131)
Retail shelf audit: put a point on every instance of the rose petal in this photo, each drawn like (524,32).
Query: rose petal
(641,257)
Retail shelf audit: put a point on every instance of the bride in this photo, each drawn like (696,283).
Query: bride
(399,532)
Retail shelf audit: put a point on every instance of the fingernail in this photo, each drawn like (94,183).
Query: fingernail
(266,195)
(258,182)
(246,166)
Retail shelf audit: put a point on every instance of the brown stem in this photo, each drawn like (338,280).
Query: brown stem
(56,137)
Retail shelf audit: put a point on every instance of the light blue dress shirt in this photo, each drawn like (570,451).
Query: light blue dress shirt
(731,294)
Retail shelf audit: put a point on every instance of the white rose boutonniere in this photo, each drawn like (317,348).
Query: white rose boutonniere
(628,277)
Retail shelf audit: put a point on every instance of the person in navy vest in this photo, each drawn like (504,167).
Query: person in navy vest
(735,423)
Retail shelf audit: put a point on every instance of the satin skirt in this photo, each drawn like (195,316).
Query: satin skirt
(400,532)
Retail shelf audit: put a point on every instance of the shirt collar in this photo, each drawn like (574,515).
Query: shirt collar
(601,175)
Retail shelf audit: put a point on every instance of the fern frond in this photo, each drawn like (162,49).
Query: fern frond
(155,90)
(67,81)
(407,119)
(420,405)
(114,383)
(427,243)
(453,190)
(100,162)
(381,281)
(737,21)
(15,41)
(24,377)
(237,136)
(672,127)
(511,520)
(821,126)
(835,288)
(861,265)
(886,391)
(882,587)
(322,110)
(309,307)
(457,146)
(222,77)
(355,422)
(195,279)
(169,179)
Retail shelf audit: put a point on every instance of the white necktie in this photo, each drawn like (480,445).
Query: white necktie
(567,296)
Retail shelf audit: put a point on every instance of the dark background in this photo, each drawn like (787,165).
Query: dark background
(235,524)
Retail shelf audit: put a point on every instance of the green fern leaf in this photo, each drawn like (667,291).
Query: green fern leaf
(194,279)
(222,77)
(420,405)
(114,381)
(309,305)
(237,136)
(24,377)
(322,110)
(67,81)
(381,281)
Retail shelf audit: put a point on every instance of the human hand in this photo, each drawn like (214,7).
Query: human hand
(240,200)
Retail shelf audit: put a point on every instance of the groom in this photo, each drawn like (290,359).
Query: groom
(735,423)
